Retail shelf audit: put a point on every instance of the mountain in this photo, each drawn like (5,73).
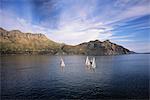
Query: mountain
(96,48)
(17,42)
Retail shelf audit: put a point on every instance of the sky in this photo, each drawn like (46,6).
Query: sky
(124,22)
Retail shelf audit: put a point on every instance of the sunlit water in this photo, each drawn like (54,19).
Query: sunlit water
(41,77)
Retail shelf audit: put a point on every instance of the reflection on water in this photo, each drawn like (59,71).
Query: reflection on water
(42,77)
(89,69)
(62,69)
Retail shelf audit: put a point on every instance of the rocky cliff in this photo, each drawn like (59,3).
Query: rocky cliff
(17,42)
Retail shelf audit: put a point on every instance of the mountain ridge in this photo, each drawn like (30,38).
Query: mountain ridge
(17,42)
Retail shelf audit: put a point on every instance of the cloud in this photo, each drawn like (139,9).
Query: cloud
(10,21)
(78,32)
(121,37)
(135,11)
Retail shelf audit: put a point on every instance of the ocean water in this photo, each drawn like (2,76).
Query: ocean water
(41,77)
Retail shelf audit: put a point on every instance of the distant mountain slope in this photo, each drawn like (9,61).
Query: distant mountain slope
(17,42)
(96,48)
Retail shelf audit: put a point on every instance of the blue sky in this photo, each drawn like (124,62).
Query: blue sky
(125,22)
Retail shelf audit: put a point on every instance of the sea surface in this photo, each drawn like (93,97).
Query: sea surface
(41,77)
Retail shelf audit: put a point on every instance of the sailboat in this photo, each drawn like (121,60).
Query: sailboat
(62,64)
(93,63)
(87,62)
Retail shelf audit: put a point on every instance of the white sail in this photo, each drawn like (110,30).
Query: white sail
(87,61)
(62,63)
(93,63)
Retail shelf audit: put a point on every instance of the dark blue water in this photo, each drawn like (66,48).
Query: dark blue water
(41,77)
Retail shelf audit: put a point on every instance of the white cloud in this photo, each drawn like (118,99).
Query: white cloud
(121,37)
(77,32)
(135,11)
(129,12)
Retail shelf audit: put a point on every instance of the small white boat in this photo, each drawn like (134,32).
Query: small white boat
(62,64)
(93,63)
(87,62)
